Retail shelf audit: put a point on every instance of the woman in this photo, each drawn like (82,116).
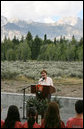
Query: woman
(31,119)
(13,118)
(47,81)
(52,117)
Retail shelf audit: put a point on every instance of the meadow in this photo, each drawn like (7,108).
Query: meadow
(32,69)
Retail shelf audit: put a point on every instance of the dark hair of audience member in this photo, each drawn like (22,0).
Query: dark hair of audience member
(12,117)
(79,106)
(52,116)
(31,116)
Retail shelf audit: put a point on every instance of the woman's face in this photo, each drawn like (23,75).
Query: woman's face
(44,75)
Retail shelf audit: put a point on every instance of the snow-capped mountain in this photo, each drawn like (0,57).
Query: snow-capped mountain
(68,20)
(3,21)
(67,26)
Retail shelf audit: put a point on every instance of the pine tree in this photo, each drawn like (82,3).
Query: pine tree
(55,40)
(29,36)
(45,37)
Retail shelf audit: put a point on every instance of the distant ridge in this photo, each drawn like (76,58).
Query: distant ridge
(67,26)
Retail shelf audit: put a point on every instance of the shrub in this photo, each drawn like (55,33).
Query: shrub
(9,75)
(40,105)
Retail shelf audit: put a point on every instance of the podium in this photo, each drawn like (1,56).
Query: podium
(42,91)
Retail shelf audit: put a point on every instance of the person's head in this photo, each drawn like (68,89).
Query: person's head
(12,116)
(31,116)
(44,73)
(79,106)
(52,116)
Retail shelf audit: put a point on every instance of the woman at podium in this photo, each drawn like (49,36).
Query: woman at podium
(44,80)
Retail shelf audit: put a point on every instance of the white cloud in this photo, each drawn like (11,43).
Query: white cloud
(48,20)
(42,11)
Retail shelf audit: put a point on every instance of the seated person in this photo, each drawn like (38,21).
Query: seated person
(52,117)
(31,119)
(13,118)
(2,123)
(76,121)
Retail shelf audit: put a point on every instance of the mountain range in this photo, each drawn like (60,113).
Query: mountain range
(67,26)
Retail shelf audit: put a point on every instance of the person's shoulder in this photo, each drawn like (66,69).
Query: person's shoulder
(2,123)
(49,78)
(68,123)
(73,118)
(36,125)
(70,119)
(62,124)
(18,124)
(25,125)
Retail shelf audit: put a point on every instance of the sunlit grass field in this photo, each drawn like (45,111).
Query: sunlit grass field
(32,69)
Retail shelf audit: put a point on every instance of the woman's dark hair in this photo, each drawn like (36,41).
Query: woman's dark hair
(31,113)
(12,116)
(79,106)
(43,71)
(52,116)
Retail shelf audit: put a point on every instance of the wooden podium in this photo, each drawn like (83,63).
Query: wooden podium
(42,91)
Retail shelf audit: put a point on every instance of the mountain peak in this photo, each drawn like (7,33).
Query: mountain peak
(14,20)
(68,20)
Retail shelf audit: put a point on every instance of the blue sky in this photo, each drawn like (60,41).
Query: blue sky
(80,14)
(41,11)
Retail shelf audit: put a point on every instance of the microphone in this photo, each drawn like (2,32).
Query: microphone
(43,79)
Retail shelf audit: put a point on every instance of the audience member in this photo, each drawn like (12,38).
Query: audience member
(13,118)
(77,121)
(2,121)
(52,117)
(31,119)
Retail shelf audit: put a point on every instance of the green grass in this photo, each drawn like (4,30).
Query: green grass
(32,69)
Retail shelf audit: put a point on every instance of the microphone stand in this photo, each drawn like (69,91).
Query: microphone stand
(24,101)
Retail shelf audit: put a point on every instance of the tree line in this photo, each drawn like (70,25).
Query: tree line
(30,48)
